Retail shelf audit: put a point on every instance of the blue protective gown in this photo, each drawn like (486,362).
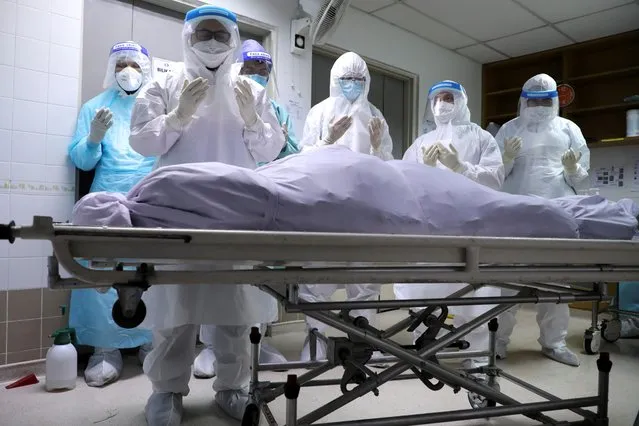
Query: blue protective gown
(117,169)
(291,141)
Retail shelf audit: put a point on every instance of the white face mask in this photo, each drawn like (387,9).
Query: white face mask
(443,111)
(129,79)
(539,114)
(212,53)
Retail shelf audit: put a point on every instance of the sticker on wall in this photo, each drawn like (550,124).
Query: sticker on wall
(608,177)
(161,67)
(566,95)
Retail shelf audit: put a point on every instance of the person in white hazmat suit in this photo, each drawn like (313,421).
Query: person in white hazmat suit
(346,118)
(544,155)
(462,147)
(203,112)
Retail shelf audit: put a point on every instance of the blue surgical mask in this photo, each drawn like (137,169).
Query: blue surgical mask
(351,89)
(259,79)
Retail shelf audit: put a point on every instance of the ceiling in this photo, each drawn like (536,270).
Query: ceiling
(492,30)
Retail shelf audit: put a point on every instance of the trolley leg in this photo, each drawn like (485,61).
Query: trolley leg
(291,392)
(604,365)
(255,338)
(493,326)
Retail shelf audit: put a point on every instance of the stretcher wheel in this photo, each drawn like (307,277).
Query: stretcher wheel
(611,330)
(592,341)
(251,415)
(128,322)
(477,401)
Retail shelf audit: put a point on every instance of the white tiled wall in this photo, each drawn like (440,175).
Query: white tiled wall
(40,48)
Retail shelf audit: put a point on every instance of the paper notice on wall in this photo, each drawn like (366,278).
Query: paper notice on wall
(161,67)
(609,177)
(295,110)
(635,175)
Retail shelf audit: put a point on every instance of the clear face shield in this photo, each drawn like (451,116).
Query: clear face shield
(210,37)
(538,107)
(129,67)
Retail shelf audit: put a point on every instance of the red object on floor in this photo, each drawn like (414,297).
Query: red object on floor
(27,380)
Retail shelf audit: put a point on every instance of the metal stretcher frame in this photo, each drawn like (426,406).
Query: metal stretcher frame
(545,270)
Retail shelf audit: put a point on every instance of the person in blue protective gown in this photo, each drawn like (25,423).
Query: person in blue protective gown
(101,143)
(257,64)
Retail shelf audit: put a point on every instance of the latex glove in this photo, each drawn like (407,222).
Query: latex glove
(246,102)
(430,155)
(448,156)
(570,160)
(192,95)
(337,128)
(101,122)
(512,146)
(375,126)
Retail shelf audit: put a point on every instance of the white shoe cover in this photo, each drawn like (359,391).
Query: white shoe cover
(320,352)
(501,350)
(144,351)
(232,402)
(270,355)
(563,355)
(164,409)
(104,367)
(204,364)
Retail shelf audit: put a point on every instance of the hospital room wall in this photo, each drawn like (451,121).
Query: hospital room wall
(40,56)
(618,157)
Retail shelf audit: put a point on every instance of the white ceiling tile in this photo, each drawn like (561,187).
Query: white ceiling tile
(561,10)
(602,24)
(530,42)
(481,53)
(483,20)
(371,5)
(417,23)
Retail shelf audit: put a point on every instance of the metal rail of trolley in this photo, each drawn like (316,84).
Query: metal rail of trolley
(543,270)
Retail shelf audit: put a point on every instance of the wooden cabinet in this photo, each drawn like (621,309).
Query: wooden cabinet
(602,72)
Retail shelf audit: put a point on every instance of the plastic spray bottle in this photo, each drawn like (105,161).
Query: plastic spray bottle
(61,369)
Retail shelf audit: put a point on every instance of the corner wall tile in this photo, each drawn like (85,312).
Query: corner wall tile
(28,147)
(6,81)
(5,146)
(32,54)
(5,173)
(66,31)
(26,273)
(29,116)
(24,304)
(63,91)
(57,153)
(33,23)
(24,335)
(37,4)
(61,120)
(64,60)
(28,172)
(8,13)
(70,8)
(7,49)
(23,356)
(3,339)
(30,85)
(6,113)
(52,300)
(4,280)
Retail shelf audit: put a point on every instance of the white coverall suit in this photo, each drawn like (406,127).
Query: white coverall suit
(349,87)
(215,127)
(478,158)
(536,152)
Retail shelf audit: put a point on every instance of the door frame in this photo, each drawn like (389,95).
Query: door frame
(410,102)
